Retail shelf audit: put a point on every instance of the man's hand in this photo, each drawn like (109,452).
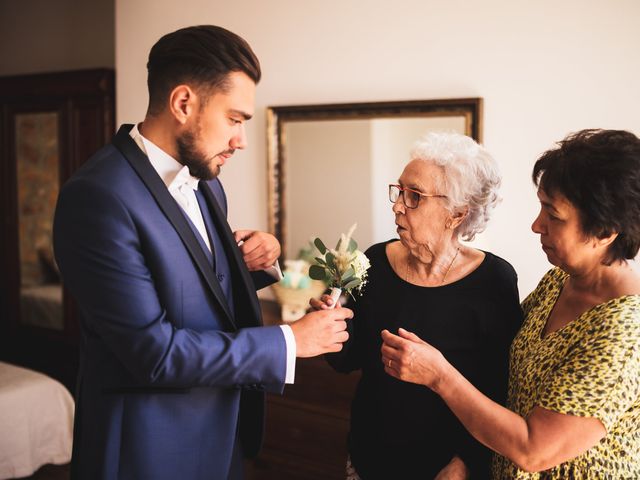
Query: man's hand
(260,250)
(321,332)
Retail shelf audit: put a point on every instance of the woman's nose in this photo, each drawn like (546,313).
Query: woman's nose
(537,225)
(398,205)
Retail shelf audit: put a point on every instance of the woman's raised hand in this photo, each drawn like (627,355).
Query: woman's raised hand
(407,357)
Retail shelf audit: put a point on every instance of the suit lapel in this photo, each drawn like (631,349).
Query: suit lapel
(235,256)
(140,163)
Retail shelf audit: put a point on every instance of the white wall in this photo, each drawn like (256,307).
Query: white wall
(46,35)
(544,68)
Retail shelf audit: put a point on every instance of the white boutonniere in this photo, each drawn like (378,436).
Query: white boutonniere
(343,269)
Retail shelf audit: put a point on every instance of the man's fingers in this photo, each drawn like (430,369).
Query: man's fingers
(250,246)
(347,311)
(343,336)
(242,235)
(339,325)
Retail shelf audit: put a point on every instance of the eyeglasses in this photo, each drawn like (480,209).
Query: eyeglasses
(410,198)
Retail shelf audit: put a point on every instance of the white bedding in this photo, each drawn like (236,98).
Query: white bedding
(36,421)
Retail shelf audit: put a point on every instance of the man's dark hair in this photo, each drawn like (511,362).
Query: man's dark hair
(598,171)
(200,56)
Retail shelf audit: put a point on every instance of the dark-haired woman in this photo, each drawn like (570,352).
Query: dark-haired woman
(574,394)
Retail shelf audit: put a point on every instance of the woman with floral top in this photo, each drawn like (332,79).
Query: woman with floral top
(574,387)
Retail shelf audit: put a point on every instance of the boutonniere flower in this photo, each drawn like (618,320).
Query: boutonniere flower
(343,269)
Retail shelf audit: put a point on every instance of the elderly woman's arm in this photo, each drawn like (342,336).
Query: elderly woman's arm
(539,442)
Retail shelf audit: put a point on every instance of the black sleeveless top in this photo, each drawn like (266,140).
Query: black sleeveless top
(402,430)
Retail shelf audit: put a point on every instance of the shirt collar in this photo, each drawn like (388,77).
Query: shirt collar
(173,173)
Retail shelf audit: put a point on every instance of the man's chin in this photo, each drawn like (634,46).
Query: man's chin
(215,171)
(206,174)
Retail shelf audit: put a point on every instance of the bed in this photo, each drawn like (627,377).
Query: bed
(36,421)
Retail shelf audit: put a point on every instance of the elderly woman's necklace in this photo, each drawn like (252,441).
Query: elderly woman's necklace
(445,273)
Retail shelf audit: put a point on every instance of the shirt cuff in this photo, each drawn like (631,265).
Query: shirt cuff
(290,340)
(274,271)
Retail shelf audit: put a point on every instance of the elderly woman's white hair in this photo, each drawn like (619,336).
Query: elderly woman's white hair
(471,176)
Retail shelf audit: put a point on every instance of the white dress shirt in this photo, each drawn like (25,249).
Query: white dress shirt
(182,187)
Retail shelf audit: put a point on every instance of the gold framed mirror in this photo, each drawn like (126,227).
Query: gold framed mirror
(329,165)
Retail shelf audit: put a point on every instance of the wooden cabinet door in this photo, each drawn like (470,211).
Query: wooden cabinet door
(49,125)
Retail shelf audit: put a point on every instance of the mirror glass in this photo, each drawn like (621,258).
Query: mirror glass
(38,170)
(330,166)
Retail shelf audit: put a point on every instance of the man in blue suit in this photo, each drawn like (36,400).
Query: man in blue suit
(174,358)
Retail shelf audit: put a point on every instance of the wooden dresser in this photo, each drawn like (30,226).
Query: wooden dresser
(306,427)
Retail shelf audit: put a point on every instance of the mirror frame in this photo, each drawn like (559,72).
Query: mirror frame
(277,118)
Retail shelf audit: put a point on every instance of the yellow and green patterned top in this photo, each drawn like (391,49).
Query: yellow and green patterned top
(589,368)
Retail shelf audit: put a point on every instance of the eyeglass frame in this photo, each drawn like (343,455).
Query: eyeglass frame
(401,191)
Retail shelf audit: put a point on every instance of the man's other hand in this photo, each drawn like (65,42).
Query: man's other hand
(260,250)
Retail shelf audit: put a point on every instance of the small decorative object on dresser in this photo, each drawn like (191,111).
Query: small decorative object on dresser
(295,289)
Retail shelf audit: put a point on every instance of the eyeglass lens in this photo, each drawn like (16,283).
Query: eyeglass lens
(409,198)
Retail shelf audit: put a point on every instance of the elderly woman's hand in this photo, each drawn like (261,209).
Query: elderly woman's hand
(407,357)
(325,303)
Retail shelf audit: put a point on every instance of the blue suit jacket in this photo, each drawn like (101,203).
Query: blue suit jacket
(169,376)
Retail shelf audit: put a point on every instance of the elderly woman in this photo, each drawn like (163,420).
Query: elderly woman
(461,299)
(574,390)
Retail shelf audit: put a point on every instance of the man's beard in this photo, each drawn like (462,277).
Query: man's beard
(189,154)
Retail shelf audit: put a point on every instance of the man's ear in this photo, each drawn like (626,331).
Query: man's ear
(182,103)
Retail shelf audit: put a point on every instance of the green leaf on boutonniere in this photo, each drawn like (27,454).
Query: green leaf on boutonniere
(352,246)
(350,272)
(347,280)
(317,272)
(331,260)
(321,261)
(320,246)
(352,284)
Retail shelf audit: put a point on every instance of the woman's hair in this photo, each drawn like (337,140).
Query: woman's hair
(472,178)
(202,56)
(598,171)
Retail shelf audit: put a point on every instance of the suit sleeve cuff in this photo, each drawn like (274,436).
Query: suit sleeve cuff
(291,353)
(274,271)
